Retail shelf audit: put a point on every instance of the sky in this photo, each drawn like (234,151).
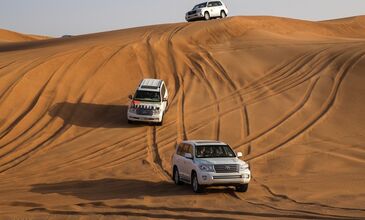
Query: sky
(61,17)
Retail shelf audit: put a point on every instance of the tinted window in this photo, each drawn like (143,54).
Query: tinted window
(210,151)
(218,3)
(180,149)
(147,96)
(163,90)
(210,4)
(202,5)
(189,149)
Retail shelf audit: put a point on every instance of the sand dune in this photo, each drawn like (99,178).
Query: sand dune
(7,36)
(288,93)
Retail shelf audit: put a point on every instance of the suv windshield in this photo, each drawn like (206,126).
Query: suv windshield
(202,5)
(209,151)
(149,96)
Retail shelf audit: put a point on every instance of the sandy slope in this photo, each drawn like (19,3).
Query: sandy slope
(7,36)
(288,93)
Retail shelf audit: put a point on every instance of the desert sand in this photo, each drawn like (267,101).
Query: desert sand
(7,36)
(287,93)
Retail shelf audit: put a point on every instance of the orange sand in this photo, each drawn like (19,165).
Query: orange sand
(288,93)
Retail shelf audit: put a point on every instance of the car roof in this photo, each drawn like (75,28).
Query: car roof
(204,142)
(150,85)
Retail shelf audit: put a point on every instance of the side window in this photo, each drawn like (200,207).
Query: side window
(163,90)
(210,4)
(219,3)
(189,149)
(180,149)
(184,149)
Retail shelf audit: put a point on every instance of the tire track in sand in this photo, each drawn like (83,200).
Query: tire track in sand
(19,159)
(154,156)
(345,68)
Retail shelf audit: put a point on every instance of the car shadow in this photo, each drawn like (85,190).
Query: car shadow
(107,189)
(91,115)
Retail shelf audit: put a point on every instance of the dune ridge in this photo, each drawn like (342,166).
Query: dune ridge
(7,36)
(288,93)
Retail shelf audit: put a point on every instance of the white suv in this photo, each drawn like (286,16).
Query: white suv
(207,10)
(149,102)
(207,163)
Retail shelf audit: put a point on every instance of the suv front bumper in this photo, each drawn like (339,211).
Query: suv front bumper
(210,178)
(193,17)
(144,118)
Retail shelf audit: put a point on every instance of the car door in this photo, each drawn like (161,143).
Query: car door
(216,9)
(219,8)
(181,155)
(188,162)
(178,158)
(210,6)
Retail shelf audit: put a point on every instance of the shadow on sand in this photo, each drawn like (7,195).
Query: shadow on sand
(107,189)
(91,115)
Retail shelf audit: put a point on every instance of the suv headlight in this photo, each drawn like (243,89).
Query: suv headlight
(206,167)
(132,109)
(156,111)
(244,167)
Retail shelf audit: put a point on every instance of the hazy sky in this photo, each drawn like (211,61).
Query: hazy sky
(59,17)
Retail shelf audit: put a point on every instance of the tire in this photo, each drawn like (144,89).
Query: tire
(197,188)
(160,123)
(206,16)
(242,188)
(223,14)
(176,176)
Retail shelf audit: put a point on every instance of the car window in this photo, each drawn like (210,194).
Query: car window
(180,149)
(202,5)
(189,149)
(218,3)
(163,90)
(210,4)
(148,96)
(211,151)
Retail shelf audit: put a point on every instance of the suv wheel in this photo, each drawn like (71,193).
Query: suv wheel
(223,14)
(160,123)
(176,176)
(197,188)
(206,16)
(242,188)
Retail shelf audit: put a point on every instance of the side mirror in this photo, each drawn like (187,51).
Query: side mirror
(188,156)
(130,97)
(239,154)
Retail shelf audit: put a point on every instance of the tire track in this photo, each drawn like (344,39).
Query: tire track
(12,125)
(19,159)
(346,67)
(179,86)
(153,155)
(220,71)
(285,197)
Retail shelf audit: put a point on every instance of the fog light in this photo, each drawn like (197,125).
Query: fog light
(246,176)
(204,177)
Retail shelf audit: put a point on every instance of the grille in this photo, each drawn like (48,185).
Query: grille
(191,12)
(142,111)
(227,177)
(226,168)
